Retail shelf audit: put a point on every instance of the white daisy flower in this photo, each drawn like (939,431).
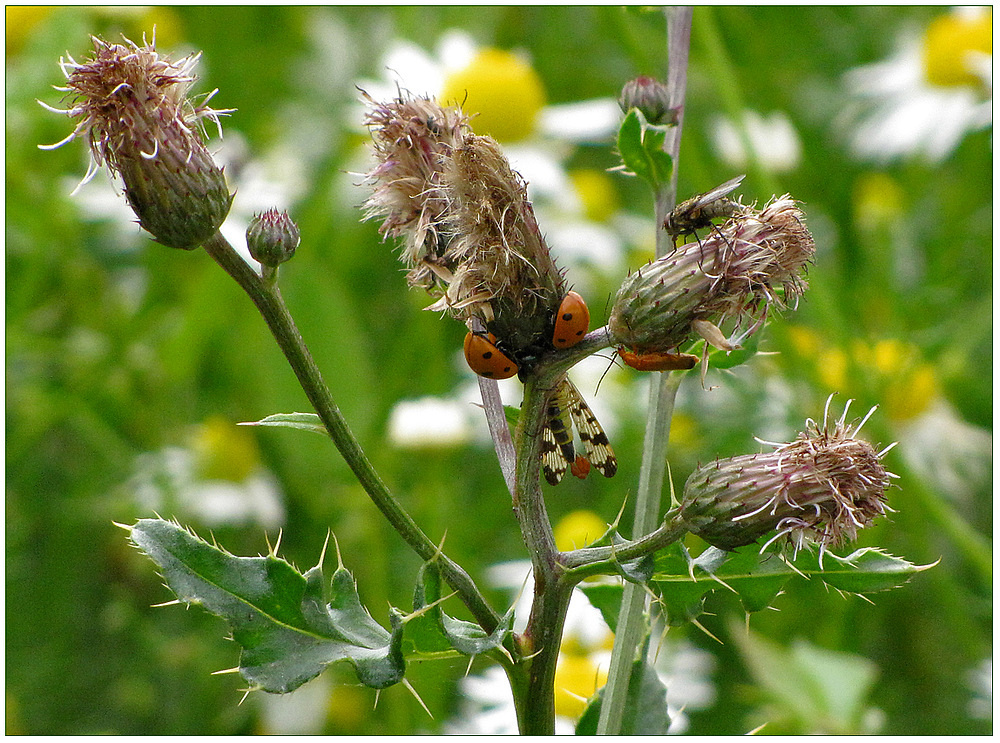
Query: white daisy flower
(430,422)
(772,140)
(925,98)
(218,480)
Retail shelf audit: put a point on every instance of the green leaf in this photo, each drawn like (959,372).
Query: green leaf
(430,633)
(511,413)
(867,570)
(681,595)
(289,625)
(302,421)
(607,597)
(811,690)
(645,705)
(682,582)
(640,145)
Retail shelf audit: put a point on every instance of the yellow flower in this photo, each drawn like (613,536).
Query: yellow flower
(596,192)
(578,529)
(501,92)
(20,20)
(683,430)
(804,340)
(224,451)
(832,365)
(910,384)
(947,43)
(577,679)
(878,200)
(913,394)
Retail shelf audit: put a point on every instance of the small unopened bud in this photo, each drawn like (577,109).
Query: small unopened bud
(132,108)
(272,238)
(651,97)
(822,488)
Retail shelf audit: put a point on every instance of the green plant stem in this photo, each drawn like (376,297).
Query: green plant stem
(268,300)
(543,634)
(583,563)
(496,419)
(663,391)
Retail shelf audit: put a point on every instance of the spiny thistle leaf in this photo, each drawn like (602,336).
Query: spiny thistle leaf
(289,625)
(682,582)
(759,578)
(430,633)
(292,625)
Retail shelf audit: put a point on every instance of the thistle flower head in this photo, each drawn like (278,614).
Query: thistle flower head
(754,261)
(822,488)
(505,275)
(131,106)
(469,232)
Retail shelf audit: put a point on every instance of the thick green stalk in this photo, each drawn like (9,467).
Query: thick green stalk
(267,298)
(663,390)
(543,634)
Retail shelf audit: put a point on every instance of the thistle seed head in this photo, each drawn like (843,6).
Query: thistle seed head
(756,260)
(412,137)
(132,107)
(469,232)
(821,488)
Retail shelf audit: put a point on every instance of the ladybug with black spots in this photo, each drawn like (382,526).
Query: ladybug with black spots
(485,359)
(572,321)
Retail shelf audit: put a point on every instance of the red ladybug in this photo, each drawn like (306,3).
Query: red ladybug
(572,321)
(485,359)
(657,360)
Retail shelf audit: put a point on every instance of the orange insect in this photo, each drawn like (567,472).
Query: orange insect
(657,360)
(572,321)
(485,359)
(580,467)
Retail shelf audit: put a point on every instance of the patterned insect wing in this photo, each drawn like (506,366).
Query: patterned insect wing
(596,446)
(557,438)
(567,409)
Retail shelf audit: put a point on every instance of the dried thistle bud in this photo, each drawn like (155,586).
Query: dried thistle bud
(821,488)
(754,261)
(412,136)
(651,97)
(470,236)
(505,275)
(131,106)
(272,237)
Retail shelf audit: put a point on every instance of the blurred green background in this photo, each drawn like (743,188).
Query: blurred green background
(127,362)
